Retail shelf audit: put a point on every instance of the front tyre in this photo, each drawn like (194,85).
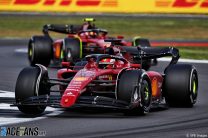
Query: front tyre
(134,87)
(181,85)
(32,81)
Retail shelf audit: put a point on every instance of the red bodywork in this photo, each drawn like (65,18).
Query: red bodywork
(88,40)
(91,72)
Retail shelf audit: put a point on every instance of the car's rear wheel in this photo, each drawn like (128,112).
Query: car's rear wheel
(40,50)
(181,85)
(134,87)
(32,81)
(72,48)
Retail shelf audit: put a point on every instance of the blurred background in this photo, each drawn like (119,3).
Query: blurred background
(180,23)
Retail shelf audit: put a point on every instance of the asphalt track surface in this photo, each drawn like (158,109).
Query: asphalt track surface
(174,122)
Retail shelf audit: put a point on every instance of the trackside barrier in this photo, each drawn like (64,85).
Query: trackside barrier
(116,6)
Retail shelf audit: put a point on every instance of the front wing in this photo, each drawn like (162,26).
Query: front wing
(83,101)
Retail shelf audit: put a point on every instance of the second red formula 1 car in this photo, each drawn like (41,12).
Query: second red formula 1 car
(81,41)
(108,81)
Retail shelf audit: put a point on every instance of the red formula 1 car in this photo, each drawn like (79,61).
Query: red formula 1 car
(81,41)
(108,81)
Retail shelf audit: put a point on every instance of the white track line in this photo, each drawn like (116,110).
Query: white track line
(15,120)
(21,50)
(7,94)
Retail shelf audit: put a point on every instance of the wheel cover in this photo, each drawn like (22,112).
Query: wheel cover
(146,93)
(194,87)
(62,54)
(30,52)
(146,96)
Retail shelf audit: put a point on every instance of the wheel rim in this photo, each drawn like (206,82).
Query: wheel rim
(30,52)
(194,87)
(146,93)
(62,54)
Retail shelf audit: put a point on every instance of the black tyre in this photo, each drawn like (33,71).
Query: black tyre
(32,81)
(181,85)
(72,49)
(130,90)
(40,50)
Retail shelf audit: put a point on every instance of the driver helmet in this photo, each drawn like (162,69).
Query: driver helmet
(88,24)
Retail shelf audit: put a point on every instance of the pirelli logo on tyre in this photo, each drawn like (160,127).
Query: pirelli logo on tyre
(116,6)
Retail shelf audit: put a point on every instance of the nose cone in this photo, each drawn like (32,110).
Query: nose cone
(68,99)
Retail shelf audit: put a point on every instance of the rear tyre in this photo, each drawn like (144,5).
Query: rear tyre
(134,88)
(72,49)
(32,81)
(40,50)
(181,85)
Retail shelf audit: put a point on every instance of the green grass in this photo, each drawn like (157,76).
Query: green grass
(193,52)
(152,28)
(25,26)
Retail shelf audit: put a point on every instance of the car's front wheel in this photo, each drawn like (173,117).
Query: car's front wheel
(134,87)
(31,82)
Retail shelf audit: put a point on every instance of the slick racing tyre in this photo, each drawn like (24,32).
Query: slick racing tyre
(181,85)
(72,48)
(31,82)
(134,87)
(40,50)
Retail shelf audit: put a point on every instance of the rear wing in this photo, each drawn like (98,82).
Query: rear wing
(65,29)
(153,52)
